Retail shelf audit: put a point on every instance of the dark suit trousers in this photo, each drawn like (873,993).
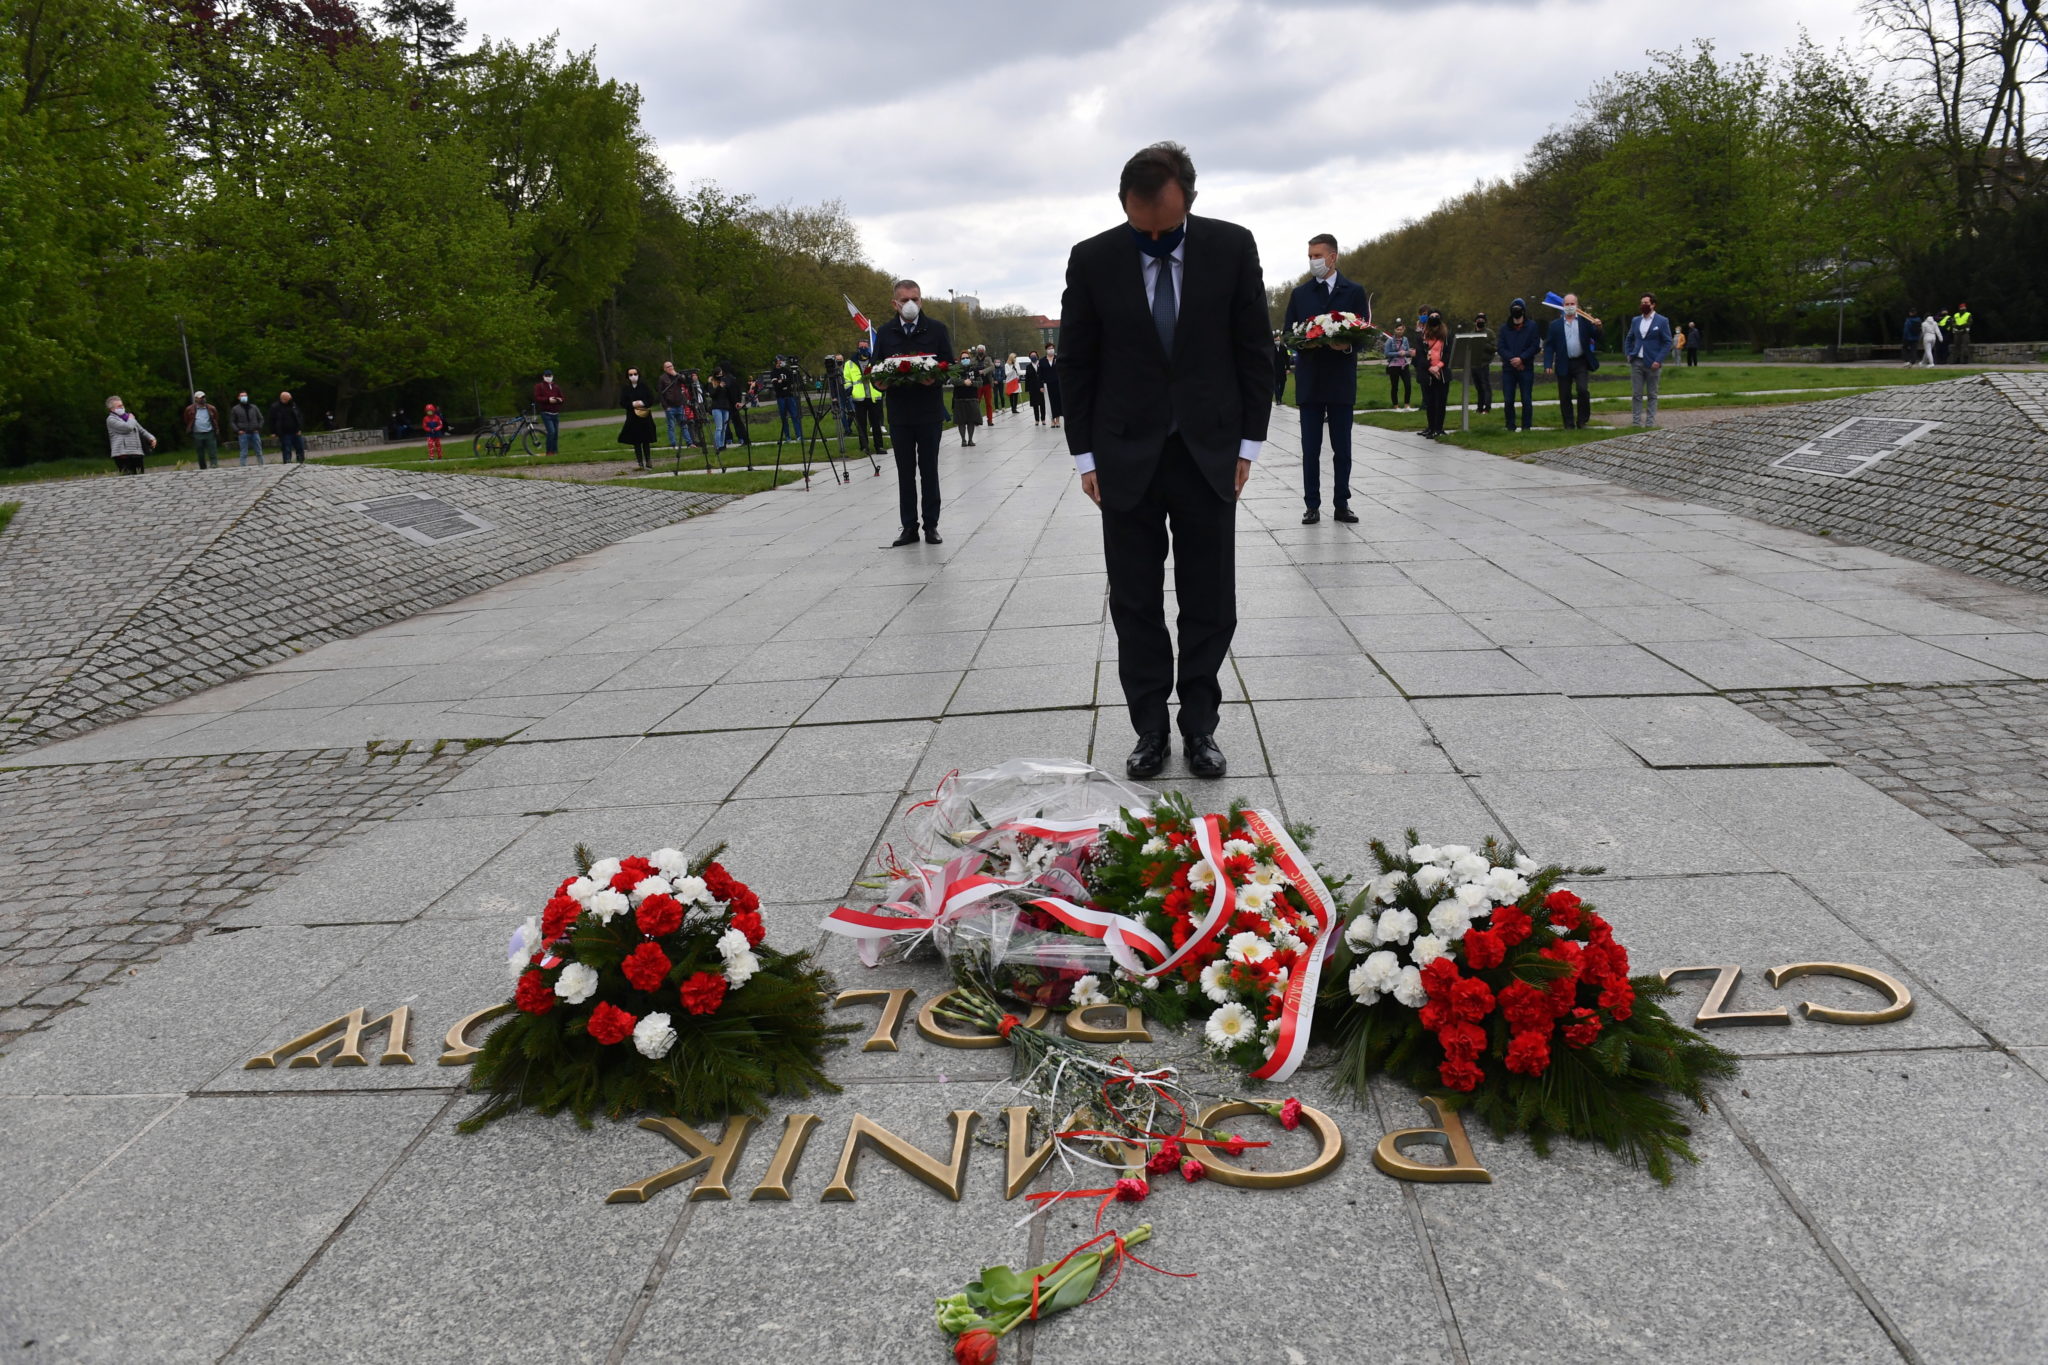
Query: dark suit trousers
(917,458)
(1203,532)
(1574,373)
(1313,418)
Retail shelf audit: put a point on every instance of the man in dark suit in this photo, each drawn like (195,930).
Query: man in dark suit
(917,412)
(1165,363)
(1570,351)
(1325,381)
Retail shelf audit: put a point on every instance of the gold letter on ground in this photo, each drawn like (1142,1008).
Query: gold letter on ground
(1901,1003)
(1392,1158)
(883,1039)
(715,1159)
(1222,1172)
(351,1028)
(948,1178)
(1711,1014)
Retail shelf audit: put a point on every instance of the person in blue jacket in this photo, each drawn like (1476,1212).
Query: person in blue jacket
(1519,344)
(1325,381)
(1571,351)
(1647,344)
(1911,338)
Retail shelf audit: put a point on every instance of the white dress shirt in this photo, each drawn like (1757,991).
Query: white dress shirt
(1150,266)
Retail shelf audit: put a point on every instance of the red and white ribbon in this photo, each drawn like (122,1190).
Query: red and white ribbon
(1298,1003)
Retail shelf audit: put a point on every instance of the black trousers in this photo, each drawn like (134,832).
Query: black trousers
(1436,396)
(1398,383)
(1181,511)
(1482,387)
(867,417)
(917,461)
(1313,418)
(1573,376)
(1038,405)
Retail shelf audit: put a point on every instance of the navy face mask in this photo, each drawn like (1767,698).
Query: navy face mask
(1156,247)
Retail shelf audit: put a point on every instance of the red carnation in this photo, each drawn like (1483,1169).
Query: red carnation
(659,916)
(703,993)
(609,1024)
(1563,907)
(1192,1170)
(1529,1052)
(638,866)
(742,899)
(1235,1145)
(623,881)
(903,367)
(1131,1190)
(1460,1075)
(1164,1159)
(1618,998)
(1462,1041)
(1512,924)
(1440,975)
(561,912)
(1483,949)
(1471,1000)
(976,1347)
(1524,1006)
(1436,1012)
(646,966)
(1584,1028)
(748,922)
(1290,1114)
(534,994)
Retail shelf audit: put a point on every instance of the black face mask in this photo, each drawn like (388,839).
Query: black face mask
(1158,247)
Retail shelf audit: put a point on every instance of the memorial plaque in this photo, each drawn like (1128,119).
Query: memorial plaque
(1853,446)
(422,518)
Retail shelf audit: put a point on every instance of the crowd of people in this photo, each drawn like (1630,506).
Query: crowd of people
(129,442)
(1928,340)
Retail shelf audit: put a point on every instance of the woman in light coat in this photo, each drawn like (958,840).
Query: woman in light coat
(126,437)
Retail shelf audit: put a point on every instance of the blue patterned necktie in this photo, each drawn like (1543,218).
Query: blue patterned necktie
(1162,304)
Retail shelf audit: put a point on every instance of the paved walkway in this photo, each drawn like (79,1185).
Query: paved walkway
(1495,646)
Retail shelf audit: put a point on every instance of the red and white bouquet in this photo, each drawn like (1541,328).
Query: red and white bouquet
(1474,974)
(909,369)
(647,983)
(1326,330)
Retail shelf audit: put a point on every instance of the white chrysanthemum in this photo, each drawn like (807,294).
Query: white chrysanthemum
(603,870)
(1257,899)
(649,886)
(1201,877)
(1408,990)
(1362,932)
(1239,848)
(525,943)
(1153,847)
(739,967)
(653,1036)
(1230,1025)
(1387,886)
(1428,878)
(577,983)
(1395,926)
(1423,853)
(1449,921)
(1088,991)
(1382,969)
(1470,868)
(1362,989)
(732,943)
(1427,948)
(1265,874)
(673,862)
(606,904)
(581,890)
(690,890)
(1248,948)
(1505,886)
(1212,983)
(1450,853)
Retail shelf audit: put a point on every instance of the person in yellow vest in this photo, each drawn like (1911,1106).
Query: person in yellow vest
(1959,334)
(867,405)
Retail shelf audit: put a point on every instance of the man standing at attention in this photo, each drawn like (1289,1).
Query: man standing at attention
(1647,346)
(1325,381)
(547,396)
(917,412)
(1569,351)
(1169,387)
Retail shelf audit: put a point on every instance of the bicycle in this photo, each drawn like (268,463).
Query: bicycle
(504,435)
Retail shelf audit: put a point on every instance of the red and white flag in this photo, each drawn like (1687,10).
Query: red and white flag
(859,318)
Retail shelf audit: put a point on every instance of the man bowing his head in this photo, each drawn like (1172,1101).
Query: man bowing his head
(1166,368)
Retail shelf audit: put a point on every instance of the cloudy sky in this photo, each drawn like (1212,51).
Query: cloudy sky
(975,143)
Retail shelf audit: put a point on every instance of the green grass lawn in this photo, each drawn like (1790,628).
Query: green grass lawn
(7,511)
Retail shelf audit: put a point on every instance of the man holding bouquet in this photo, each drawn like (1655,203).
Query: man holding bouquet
(1325,380)
(917,410)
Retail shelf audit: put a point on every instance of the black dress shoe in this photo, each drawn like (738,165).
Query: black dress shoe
(1149,757)
(907,538)
(933,538)
(1346,514)
(1204,758)
(1311,517)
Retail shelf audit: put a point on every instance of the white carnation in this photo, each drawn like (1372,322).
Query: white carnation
(1395,926)
(690,890)
(1473,898)
(1422,853)
(1362,989)
(1505,886)
(1088,991)
(581,890)
(1408,990)
(649,886)
(525,943)
(1388,885)
(1428,878)
(1449,920)
(739,967)
(1448,854)
(603,870)
(1153,847)
(671,861)
(577,983)
(1362,932)
(1230,1025)
(1382,969)
(1526,865)
(1427,949)
(1248,948)
(653,1036)
(606,904)
(1212,983)
(732,943)
(1470,867)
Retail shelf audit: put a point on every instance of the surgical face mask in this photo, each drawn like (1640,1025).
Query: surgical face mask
(633,377)
(120,409)
(1319,267)
(1571,310)
(910,310)
(242,398)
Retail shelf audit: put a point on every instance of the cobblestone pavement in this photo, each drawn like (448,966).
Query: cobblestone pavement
(112,863)
(1971,758)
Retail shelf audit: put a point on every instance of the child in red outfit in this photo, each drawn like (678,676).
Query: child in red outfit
(433,424)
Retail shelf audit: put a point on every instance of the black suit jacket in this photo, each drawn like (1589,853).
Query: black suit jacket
(911,404)
(1123,394)
(1322,375)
